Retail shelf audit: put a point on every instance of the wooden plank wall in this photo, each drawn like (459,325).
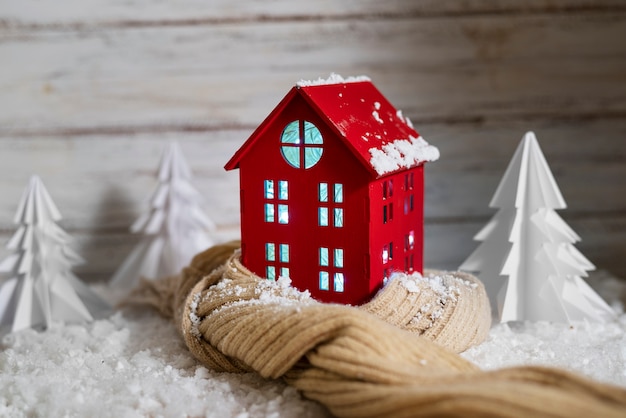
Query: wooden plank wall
(91,91)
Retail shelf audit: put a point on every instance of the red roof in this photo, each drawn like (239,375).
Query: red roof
(359,114)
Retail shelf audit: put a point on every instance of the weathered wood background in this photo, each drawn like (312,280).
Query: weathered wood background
(92,90)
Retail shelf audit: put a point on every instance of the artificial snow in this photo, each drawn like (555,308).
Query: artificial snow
(332,79)
(597,351)
(134,364)
(402,153)
(445,292)
(267,292)
(435,282)
(376,116)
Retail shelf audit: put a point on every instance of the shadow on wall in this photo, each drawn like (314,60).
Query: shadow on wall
(110,230)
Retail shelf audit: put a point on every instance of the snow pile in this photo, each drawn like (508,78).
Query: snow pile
(131,365)
(595,350)
(402,153)
(135,364)
(332,79)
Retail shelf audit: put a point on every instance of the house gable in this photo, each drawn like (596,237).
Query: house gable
(378,135)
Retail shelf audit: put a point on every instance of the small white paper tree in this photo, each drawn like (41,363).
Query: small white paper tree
(527,260)
(38,287)
(174,229)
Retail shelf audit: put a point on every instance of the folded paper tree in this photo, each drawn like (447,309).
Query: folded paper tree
(174,228)
(38,287)
(527,259)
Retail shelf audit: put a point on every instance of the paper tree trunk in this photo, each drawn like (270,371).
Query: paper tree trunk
(173,230)
(527,259)
(38,287)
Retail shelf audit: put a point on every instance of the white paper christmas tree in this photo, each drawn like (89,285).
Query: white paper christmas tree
(527,259)
(174,229)
(37,286)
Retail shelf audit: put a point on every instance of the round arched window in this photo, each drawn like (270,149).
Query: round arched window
(301,153)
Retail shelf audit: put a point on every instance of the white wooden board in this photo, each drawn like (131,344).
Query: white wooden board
(91,91)
(36,14)
(449,69)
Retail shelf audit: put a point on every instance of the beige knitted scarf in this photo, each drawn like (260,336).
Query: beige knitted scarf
(394,356)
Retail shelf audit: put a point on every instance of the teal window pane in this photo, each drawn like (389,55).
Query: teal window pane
(323,217)
(270,251)
(283,214)
(292,144)
(271,272)
(311,156)
(284,253)
(269,212)
(338,193)
(284,272)
(324,256)
(269,189)
(312,135)
(323,192)
(290,138)
(324,280)
(338,258)
(291,154)
(283,190)
(338,282)
(291,133)
(338,217)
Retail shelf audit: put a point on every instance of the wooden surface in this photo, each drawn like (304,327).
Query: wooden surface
(91,91)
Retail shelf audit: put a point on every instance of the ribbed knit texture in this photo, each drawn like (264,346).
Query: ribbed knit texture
(391,357)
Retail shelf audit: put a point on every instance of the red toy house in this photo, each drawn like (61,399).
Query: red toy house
(332,188)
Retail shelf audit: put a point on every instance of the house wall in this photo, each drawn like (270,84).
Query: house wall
(302,233)
(392,223)
(92,90)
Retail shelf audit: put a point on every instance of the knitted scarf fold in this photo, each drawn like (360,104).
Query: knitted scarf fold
(394,356)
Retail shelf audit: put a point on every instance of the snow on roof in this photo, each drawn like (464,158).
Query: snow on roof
(333,78)
(402,153)
(381,136)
